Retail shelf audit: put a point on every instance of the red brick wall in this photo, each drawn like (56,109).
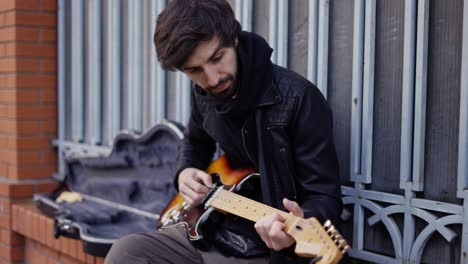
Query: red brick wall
(28,110)
(40,246)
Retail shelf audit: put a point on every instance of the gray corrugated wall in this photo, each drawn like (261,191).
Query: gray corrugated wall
(395,207)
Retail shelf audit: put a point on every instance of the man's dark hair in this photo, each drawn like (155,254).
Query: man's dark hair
(183,24)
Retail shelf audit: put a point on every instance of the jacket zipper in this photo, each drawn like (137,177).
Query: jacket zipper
(284,154)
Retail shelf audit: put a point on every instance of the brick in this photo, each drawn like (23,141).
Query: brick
(57,244)
(27,127)
(65,259)
(74,244)
(7,5)
(11,238)
(18,33)
(7,34)
(49,252)
(49,35)
(27,97)
(80,253)
(27,34)
(33,256)
(49,157)
(48,96)
(46,187)
(2,50)
(48,66)
(11,253)
(14,218)
(90,259)
(48,126)
(4,142)
(29,81)
(18,219)
(21,220)
(31,5)
(7,65)
(31,50)
(4,111)
(49,5)
(5,221)
(53,261)
(36,81)
(34,172)
(28,143)
(9,18)
(64,245)
(35,112)
(3,170)
(5,205)
(35,19)
(41,229)
(18,97)
(7,81)
(16,190)
(22,157)
(50,239)
(36,226)
(27,65)
(29,249)
(29,224)
(18,65)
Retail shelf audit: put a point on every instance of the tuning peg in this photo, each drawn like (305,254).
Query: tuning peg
(338,237)
(342,243)
(331,229)
(345,249)
(327,224)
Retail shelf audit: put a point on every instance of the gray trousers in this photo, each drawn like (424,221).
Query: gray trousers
(170,245)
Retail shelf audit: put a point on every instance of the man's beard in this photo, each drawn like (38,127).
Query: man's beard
(226,93)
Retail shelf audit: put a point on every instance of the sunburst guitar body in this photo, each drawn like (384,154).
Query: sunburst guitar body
(312,238)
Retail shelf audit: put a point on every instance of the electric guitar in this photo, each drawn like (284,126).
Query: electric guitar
(312,239)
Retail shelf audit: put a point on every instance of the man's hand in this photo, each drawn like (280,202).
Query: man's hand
(270,228)
(194,184)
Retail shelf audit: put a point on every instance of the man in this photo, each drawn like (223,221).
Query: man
(262,116)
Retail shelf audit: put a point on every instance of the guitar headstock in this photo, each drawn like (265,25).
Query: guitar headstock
(315,240)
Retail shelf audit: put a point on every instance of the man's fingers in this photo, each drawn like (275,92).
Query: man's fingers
(197,187)
(293,207)
(279,239)
(205,178)
(262,231)
(263,227)
(191,196)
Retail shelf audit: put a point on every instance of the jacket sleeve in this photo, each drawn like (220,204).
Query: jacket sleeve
(197,148)
(316,164)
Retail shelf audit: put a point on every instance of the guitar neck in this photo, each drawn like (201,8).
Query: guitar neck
(235,204)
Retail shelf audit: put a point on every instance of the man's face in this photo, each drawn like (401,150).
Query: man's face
(213,67)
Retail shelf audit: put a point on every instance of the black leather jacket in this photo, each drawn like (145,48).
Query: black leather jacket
(287,134)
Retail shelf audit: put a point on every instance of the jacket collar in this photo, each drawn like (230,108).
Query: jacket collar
(270,94)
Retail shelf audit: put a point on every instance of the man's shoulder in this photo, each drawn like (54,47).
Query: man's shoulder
(290,83)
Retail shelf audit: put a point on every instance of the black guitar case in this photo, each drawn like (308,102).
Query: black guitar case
(121,194)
